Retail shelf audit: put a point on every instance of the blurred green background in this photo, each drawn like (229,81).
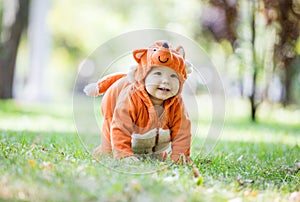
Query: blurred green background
(254,44)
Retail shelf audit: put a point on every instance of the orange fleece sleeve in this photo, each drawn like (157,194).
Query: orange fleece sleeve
(180,132)
(122,128)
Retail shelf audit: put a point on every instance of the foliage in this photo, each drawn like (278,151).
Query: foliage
(251,162)
(78,28)
(264,35)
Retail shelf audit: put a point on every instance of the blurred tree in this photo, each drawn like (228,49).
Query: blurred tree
(14,21)
(222,18)
(287,14)
(252,96)
(39,45)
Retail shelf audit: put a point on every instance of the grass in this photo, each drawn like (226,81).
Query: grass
(42,159)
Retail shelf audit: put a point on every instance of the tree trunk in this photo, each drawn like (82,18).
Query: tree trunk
(39,44)
(285,49)
(11,34)
(288,71)
(254,63)
(253,97)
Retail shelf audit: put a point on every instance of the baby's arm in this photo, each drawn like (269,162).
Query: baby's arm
(181,136)
(121,140)
(122,127)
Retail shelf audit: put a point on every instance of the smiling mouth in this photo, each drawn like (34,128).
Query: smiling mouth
(164,89)
(162,60)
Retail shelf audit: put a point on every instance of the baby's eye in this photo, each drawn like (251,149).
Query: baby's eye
(157,73)
(174,76)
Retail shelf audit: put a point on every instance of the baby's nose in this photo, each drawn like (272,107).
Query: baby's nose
(165,79)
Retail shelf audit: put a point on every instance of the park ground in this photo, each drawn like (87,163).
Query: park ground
(43,159)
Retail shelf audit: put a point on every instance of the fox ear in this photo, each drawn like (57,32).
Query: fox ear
(181,51)
(137,54)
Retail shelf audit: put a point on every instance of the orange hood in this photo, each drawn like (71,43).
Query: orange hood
(159,54)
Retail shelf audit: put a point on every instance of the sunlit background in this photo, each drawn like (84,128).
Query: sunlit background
(250,155)
(254,44)
(65,32)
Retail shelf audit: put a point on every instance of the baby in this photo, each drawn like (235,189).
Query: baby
(143,110)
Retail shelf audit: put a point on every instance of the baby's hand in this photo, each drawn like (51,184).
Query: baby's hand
(184,160)
(91,90)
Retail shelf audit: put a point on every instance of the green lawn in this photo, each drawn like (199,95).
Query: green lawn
(42,159)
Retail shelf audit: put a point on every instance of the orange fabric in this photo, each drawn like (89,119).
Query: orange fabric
(108,80)
(127,108)
(158,55)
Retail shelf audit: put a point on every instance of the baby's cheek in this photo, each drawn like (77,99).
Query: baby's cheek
(177,87)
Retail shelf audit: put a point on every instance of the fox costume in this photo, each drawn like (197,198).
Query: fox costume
(131,123)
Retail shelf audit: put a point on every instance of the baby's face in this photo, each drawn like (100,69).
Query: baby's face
(161,83)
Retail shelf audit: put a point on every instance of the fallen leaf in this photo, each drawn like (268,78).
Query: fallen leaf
(136,185)
(253,193)
(196,172)
(199,181)
(48,166)
(164,167)
(32,163)
(32,145)
(295,196)
(240,158)
(242,181)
